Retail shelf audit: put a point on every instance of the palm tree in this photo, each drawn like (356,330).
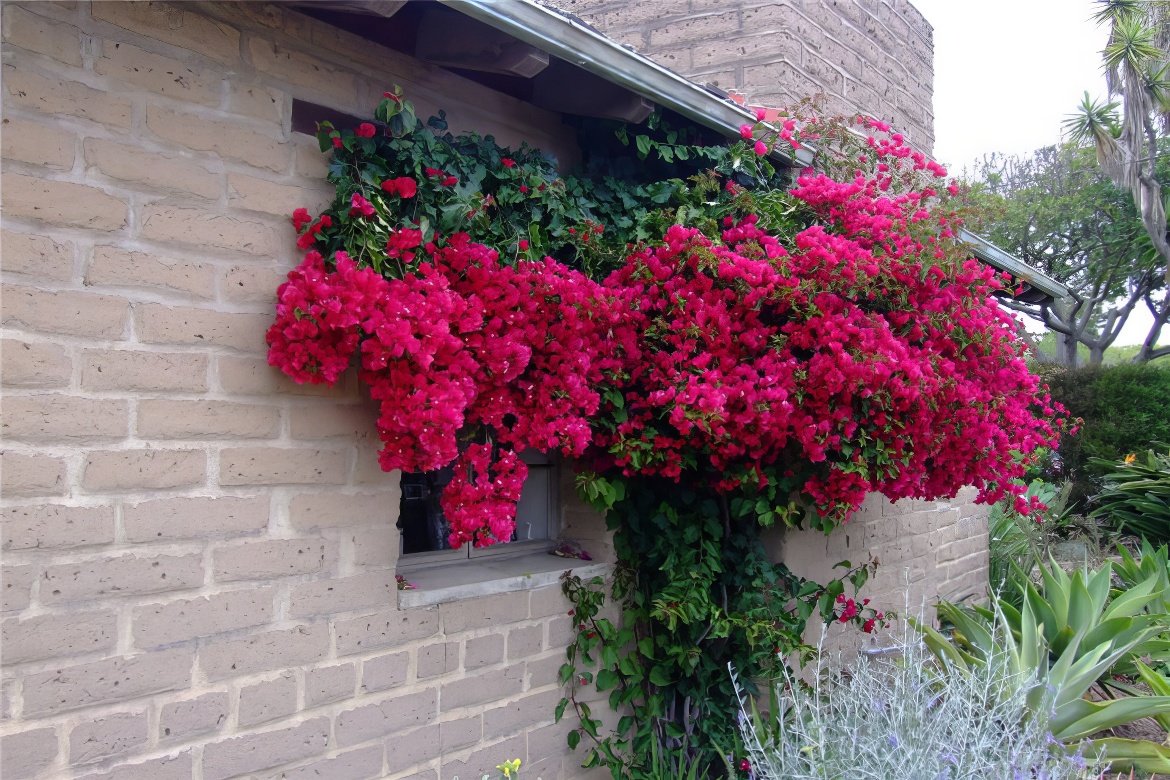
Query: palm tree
(1137,69)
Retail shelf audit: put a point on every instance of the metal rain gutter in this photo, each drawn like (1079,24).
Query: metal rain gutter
(576,43)
(994,256)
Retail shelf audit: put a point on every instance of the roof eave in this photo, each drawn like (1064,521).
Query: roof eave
(588,49)
(998,258)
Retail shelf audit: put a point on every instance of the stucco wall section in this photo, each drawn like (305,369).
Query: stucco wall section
(869,56)
(198,554)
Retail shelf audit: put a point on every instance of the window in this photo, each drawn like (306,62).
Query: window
(423,530)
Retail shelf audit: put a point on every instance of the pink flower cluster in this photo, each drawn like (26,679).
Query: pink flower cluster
(460,341)
(867,355)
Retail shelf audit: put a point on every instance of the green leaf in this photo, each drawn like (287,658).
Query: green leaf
(559,712)
(574,739)
(659,676)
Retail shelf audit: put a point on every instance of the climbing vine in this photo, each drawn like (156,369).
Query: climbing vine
(720,351)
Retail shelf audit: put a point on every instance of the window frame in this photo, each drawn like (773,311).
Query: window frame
(466,552)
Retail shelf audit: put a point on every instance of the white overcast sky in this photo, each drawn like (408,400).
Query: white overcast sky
(1006,73)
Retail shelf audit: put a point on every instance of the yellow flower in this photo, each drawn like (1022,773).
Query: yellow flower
(508,767)
(1130,458)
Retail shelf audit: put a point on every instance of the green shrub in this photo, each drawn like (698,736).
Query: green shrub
(888,718)
(1124,408)
(1136,495)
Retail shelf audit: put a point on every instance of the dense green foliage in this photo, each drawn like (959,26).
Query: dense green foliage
(1136,495)
(1056,210)
(1123,408)
(1072,633)
(703,595)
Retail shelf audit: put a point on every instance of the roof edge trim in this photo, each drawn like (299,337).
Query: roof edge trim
(586,48)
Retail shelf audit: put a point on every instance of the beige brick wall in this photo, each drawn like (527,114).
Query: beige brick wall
(198,555)
(869,56)
(926,550)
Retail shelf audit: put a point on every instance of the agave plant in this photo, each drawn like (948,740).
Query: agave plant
(1151,563)
(1072,637)
(1137,495)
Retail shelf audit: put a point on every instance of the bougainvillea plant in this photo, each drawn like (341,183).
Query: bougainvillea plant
(718,354)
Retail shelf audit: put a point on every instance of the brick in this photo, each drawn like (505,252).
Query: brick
(482,688)
(62,203)
(49,526)
(388,628)
(173,25)
(295,67)
(360,764)
(194,518)
(332,510)
(187,718)
(272,559)
(166,768)
(103,369)
(368,472)
(251,283)
(312,163)
(160,324)
(58,636)
(328,597)
(263,652)
(724,26)
(526,641)
(161,75)
(17,587)
(124,575)
(413,748)
(485,611)
(546,602)
(268,700)
(279,466)
(187,619)
(104,682)
(256,101)
(165,171)
(561,632)
(484,760)
(385,671)
(253,376)
(201,228)
(250,192)
(253,752)
(329,683)
(63,419)
(145,469)
(483,651)
(27,753)
(387,717)
(38,256)
(228,139)
(38,144)
(54,97)
(164,419)
(71,313)
(544,671)
(93,740)
(520,715)
(348,420)
(34,364)
(31,31)
(456,734)
(438,658)
(549,741)
(376,547)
